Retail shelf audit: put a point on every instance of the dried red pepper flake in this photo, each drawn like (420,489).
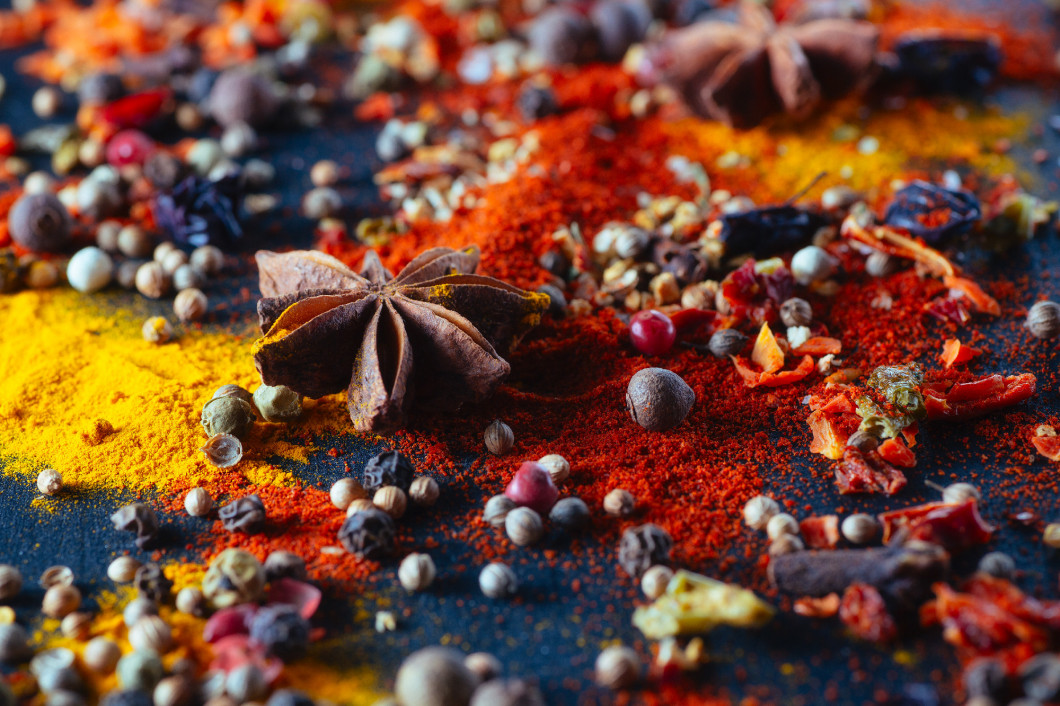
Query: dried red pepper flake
(760,378)
(955,352)
(895,451)
(867,472)
(865,613)
(825,607)
(945,400)
(1047,445)
(981,301)
(136,110)
(948,309)
(955,526)
(820,532)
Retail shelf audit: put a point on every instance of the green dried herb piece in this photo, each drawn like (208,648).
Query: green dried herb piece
(900,385)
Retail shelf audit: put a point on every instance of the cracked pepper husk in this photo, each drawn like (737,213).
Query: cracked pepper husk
(388,468)
(140,519)
(369,534)
(247,514)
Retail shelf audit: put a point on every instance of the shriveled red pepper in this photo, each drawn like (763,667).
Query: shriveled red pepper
(976,398)
(691,322)
(754,378)
(864,612)
(895,451)
(867,472)
(955,526)
(819,345)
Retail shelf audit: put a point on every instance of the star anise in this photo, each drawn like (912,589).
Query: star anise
(742,73)
(436,331)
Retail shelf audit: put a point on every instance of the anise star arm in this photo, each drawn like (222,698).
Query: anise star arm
(287,273)
(438,262)
(380,391)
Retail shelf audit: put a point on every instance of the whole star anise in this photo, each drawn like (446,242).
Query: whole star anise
(742,73)
(436,332)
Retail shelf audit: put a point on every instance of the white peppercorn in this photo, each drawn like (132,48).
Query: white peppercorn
(172,260)
(152,280)
(151,633)
(860,528)
(619,503)
(107,235)
(157,329)
(655,580)
(123,569)
(424,491)
(133,241)
(618,667)
(10,582)
(49,481)
(101,655)
(1043,319)
(187,277)
(391,500)
(59,601)
(141,669)
(781,524)
(483,665)
(497,580)
(759,510)
(207,259)
(416,572)
(786,544)
(796,312)
(557,467)
(161,250)
(190,600)
(960,492)
(497,509)
(198,502)
(138,608)
(345,491)
(190,305)
(524,526)
(321,202)
(499,438)
(812,264)
(89,270)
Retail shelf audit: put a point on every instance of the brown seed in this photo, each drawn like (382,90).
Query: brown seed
(1051,535)
(796,312)
(1043,319)
(173,260)
(416,572)
(424,491)
(60,601)
(619,503)
(133,241)
(391,500)
(198,502)
(655,580)
(76,626)
(151,633)
(101,655)
(782,524)
(358,505)
(499,438)
(345,491)
(786,544)
(497,509)
(759,510)
(10,582)
(618,667)
(175,691)
(107,235)
(191,601)
(497,580)
(524,526)
(860,528)
(207,259)
(658,399)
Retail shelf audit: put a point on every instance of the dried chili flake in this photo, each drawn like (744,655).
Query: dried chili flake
(867,472)
(763,378)
(946,400)
(1046,442)
(954,352)
(948,309)
(932,212)
(895,451)
(955,526)
(136,110)
(820,532)
(824,607)
(865,613)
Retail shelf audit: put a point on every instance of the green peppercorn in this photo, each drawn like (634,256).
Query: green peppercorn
(227,415)
(278,404)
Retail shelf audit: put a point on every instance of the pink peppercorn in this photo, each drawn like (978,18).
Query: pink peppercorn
(129,147)
(532,487)
(652,332)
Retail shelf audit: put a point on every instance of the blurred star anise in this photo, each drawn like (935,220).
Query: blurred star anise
(436,331)
(742,73)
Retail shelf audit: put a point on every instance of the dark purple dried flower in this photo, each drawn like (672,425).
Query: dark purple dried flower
(201,212)
(933,212)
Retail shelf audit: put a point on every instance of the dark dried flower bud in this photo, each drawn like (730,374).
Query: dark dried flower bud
(140,519)
(152,584)
(388,468)
(642,547)
(796,312)
(281,630)
(239,96)
(39,222)
(726,342)
(247,514)
(368,534)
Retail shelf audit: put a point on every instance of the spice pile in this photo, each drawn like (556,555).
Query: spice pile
(693,334)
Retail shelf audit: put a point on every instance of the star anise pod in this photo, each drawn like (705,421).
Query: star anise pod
(436,331)
(742,73)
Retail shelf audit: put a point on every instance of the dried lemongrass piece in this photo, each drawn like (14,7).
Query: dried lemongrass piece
(223,450)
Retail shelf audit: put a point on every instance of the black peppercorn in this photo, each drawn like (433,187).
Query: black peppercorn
(658,399)
(247,514)
(151,583)
(571,514)
(556,263)
(560,35)
(643,547)
(388,468)
(240,96)
(536,102)
(39,222)
(726,342)
(163,170)
(368,534)
(619,24)
(281,630)
(140,519)
(289,697)
(126,697)
(98,89)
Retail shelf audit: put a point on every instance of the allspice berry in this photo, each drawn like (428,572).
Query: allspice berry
(499,438)
(654,581)
(416,572)
(391,500)
(59,601)
(198,502)
(101,655)
(618,667)
(1043,319)
(424,491)
(39,222)
(658,399)
(190,305)
(497,580)
(796,312)
(10,582)
(524,526)
(151,280)
(619,503)
(557,467)
(49,482)
(435,676)
(345,491)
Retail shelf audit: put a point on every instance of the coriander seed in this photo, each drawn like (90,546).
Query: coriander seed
(497,509)
(190,601)
(759,510)
(151,633)
(619,503)
(345,491)
(157,330)
(107,235)
(499,438)
(960,492)
(1043,319)
(524,526)
(786,544)
(880,264)
(618,667)
(860,528)
(232,390)
(557,467)
(416,572)
(796,312)
(277,403)
(655,580)
(123,569)
(812,264)
(570,514)
(10,582)
(175,691)
(59,601)
(281,564)
(782,524)
(360,504)
(161,250)
(49,482)
(141,670)
(497,580)
(246,683)
(391,500)
(190,305)
(321,202)
(101,655)
(173,260)
(151,280)
(223,450)
(424,491)
(125,274)
(57,576)
(233,577)
(198,502)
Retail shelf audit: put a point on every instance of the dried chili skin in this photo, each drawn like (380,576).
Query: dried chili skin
(978,397)
(864,611)
(902,574)
(866,472)
(770,230)
(932,212)
(955,526)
